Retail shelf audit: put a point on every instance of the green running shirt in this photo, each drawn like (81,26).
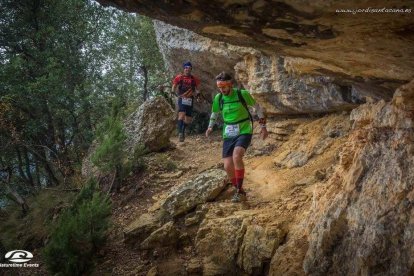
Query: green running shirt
(233,111)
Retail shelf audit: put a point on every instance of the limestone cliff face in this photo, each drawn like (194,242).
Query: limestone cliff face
(276,82)
(362,221)
(375,45)
(282,92)
(208,57)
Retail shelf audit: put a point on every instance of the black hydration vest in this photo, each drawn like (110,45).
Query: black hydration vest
(183,88)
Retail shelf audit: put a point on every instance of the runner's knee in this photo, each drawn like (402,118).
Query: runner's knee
(238,153)
(181,115)
(228,164)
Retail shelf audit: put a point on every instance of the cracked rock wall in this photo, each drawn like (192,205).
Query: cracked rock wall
(362,221)
(275,81)
(377,46)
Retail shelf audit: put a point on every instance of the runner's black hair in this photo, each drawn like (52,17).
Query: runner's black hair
(223,76)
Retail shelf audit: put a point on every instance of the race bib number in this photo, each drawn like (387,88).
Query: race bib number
(232,130)
(187,101)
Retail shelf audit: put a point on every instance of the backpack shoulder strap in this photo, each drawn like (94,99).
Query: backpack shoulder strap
(243,101)
(241,98)
(221,102)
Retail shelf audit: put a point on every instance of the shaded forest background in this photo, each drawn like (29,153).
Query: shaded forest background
(70,72)
(63,66)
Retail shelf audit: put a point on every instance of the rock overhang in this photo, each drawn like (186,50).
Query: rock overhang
(375,42)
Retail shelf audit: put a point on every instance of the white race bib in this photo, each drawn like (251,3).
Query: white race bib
(187,101)
(232,130)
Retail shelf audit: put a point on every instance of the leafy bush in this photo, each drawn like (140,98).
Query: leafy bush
(110,155)
(80,231)
(14,229)
(165,163)
(135,163)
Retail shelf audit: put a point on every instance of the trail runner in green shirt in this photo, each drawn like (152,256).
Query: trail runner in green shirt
(233,104)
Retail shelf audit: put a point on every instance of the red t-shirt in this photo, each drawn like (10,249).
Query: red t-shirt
(186,82)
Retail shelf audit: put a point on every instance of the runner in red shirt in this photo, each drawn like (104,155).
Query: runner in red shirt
(187,85)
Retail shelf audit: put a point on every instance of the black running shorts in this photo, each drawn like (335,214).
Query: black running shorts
(185,107)
(229,144)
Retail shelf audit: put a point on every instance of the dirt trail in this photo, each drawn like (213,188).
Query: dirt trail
(261,181)
(284,193)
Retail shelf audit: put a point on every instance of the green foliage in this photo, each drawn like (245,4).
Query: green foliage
(135,162)
(85,194)
(62,64)
(14,229)
(137,70)
(165,163)
(45,70)
(110,155)
(170,165)
(80,231)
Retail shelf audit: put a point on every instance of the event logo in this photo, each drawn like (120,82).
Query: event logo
(18,256)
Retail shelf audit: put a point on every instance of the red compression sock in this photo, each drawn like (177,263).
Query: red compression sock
(239,178)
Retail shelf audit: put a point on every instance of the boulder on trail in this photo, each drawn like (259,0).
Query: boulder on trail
(258,246)
(137,231)
(204,187)
(151,125)
(245,240)
(164,236)
(218,240)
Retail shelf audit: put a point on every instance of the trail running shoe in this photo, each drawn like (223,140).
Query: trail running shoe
(236,197)
(239,196)
(181,137)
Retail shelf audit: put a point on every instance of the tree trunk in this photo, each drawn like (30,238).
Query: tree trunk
(13,194)
(49,171)
(42,158)
(39,184)
(145,75)
(17,199)
(20,166)
(28,169)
